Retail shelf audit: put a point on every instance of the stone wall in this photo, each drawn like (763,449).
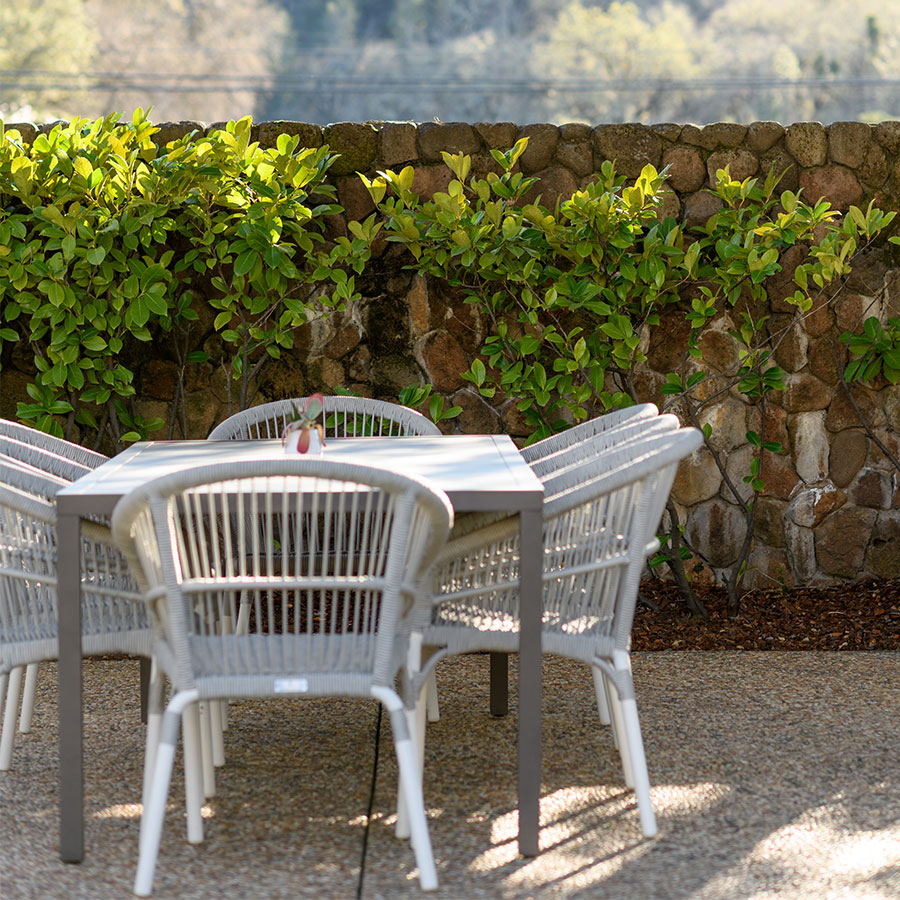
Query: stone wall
(830,511)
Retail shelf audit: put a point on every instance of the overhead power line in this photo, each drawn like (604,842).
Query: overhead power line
(305,84)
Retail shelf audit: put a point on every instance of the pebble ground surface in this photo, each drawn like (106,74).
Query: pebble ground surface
(775,775)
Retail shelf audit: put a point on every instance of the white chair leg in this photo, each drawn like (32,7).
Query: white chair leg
(640,776)
(11,708)
(618,727)
(206,752)
(154,811)
(410,777)
(600,691)
(193,774)
(154,724)
(28,694)
(216,731)
(415,723)
(431,698)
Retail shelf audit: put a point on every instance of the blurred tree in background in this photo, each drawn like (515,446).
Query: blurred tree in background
(520,60)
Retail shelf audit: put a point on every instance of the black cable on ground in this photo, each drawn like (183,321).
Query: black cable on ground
(365,840)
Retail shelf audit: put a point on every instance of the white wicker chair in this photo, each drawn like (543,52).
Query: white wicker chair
(114,618)
(600,519)
(356,548)
(343,417)
(90,459)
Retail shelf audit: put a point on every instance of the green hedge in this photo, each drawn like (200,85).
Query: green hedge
(106,239)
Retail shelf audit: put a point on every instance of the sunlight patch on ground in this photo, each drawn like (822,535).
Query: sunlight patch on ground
(570,820)
(135,811)
(820,854)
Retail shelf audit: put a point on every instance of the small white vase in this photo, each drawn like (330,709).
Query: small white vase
(315,443)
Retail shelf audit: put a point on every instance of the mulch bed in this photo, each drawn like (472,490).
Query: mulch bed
(863,616)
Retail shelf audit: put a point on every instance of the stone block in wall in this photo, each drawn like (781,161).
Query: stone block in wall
(542,142)
(477,417)
(699,207)
(725,134)
(497,135)
(836,184)
(737,467)
(204,412)
(390,373)
(159,379)
(807,142)
(871,489)
(354,197)
(810,444)
(888,459)
(283,377)
(890,399)
(768,569)
(849,449)
(741,164)
(576,156)
(428,180)
(697,136)
(728,420)
(768,523)
(631,147)
(668,340)
(357,144)
(443,360)
(782,164)
(174,131)
(27,131)
(576,132)
(874,170)
(887,134)
(452,137)
(668,131)
(514,421)
(669,206)
(792,343)
(716,530)
(842,540)
(419,309)
(554,184)
(883,556)
(720,350)
(842,414)
(779,476)
(803,393)
(268,132)
(822,356)
(686,170)
(811,505)
(800,545)
(819,320)
(398,143)
(848,142)
(345,340)
(698,478)
(851,310)
(762,136)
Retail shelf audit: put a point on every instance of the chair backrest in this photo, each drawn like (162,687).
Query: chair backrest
(342,417)
(43,459)
(599,521)
(329,557)
(553,444)
(88,458)
(599,444)
(113,614)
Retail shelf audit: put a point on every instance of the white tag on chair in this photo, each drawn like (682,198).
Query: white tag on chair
(291,685)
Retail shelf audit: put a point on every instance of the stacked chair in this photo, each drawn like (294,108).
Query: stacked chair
(114,617)
(330,609)
(605,491)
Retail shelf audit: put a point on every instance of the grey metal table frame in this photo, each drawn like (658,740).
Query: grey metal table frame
(478,473)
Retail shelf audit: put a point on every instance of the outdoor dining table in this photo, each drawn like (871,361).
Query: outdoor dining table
(477,472)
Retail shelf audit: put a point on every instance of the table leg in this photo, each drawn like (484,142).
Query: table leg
(530,523)
(71,785)
(499,684)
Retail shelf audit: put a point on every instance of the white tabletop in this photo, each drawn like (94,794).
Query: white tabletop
(480,471)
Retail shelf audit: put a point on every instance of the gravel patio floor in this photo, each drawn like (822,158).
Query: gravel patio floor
(775,774)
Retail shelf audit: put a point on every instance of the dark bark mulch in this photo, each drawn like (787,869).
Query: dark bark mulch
(863,616)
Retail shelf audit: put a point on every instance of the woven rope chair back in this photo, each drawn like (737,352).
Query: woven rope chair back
(42,459)
(600,518)
(328,557)
(113,614)
(342,417)
(584,430)
(88,458)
